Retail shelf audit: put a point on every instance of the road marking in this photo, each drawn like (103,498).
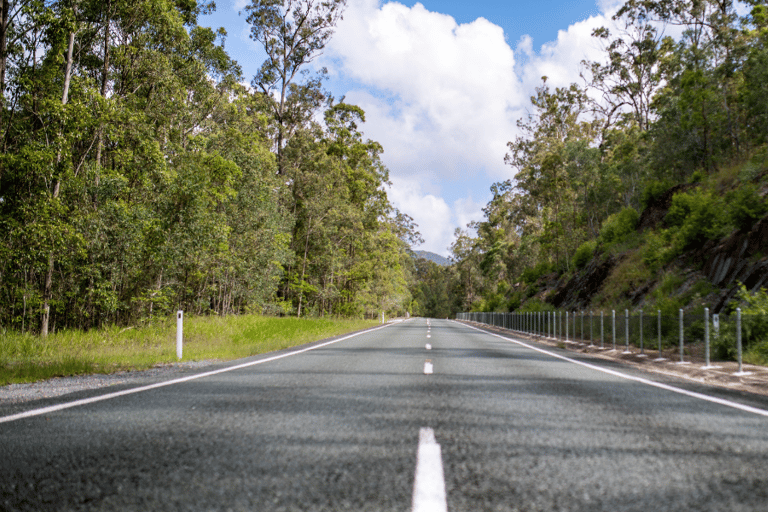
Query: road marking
(428,368)
(429,335)
(692,394)
(428,346)
(86,401)
(429,482)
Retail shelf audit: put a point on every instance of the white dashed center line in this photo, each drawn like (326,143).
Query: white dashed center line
(429,483)
(428,347)
(428,367)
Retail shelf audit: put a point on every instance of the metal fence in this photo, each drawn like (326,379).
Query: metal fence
(648,332)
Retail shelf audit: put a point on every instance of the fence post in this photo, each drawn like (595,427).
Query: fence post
(591,329)
(642,351)
(566,326)
(613,331)
(659,331)
(626,330)
(602,337)
(738,336)
(706,337)
(681,335)
(179,333)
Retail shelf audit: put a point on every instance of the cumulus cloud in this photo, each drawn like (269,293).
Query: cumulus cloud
(430,212)
(443,99)
(560,60)
(448,90)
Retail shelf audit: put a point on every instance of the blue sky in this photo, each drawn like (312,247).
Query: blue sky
(443,83)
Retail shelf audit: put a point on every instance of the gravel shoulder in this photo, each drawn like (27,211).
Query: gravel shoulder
(52,388)
(723,374)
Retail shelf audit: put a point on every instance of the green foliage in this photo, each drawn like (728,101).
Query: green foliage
(536,306)
(696,217)
(619,226)
(584,253)
(532,275)
(27,358)
(745,206)
(658,249)
(653,191)
(160,183)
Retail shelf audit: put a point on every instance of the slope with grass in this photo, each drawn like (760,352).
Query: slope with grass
(696,245)
(29,358)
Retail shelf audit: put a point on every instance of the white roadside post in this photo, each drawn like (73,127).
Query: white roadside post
(681,336)
(602,338)
(626,331)
(179,332)
(738,338)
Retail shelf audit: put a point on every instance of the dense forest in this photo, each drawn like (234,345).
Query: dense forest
(138,175)
(678,125)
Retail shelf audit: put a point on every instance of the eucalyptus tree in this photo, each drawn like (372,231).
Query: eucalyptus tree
(293,34)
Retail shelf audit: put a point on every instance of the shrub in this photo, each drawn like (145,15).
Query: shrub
(618,226)
(745,207)
(584,253)
(652,192)
(658,250)
(697,217)
(531,275)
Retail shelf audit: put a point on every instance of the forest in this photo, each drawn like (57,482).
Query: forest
(671,126)
(142,173)
(139,174)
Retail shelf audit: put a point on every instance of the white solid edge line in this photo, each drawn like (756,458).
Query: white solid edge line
(429,482)
(85,401)
(692,394)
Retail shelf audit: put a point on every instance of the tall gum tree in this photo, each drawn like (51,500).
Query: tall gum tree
(293,33)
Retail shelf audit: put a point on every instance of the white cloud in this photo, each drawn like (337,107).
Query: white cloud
(560,60)
(431,213)
(439,95)
(443,99)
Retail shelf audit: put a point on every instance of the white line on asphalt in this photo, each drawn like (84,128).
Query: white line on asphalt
(692,394)
(428,369)
(85,401)
(428,346)
(429,482)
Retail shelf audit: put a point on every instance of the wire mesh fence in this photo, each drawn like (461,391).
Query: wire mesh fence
(683,336)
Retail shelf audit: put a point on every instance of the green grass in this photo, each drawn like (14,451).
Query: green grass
(29,358)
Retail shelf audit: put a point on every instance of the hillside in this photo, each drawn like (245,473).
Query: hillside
(431,256)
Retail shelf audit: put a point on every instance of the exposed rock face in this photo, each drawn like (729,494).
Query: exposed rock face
(739,258)
(578,291)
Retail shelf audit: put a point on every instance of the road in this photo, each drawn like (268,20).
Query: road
(519,428)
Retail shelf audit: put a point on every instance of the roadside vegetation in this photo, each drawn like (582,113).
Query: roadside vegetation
(29,358)
(626,183)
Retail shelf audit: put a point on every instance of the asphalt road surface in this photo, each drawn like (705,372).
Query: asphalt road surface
(494,425)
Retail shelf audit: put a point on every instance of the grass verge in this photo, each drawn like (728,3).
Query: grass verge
(28,358)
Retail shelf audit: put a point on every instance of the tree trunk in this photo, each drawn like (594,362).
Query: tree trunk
(304,268)
(47,292)
(3,58)
(104,81)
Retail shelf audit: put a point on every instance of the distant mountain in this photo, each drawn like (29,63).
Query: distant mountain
(440,260)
